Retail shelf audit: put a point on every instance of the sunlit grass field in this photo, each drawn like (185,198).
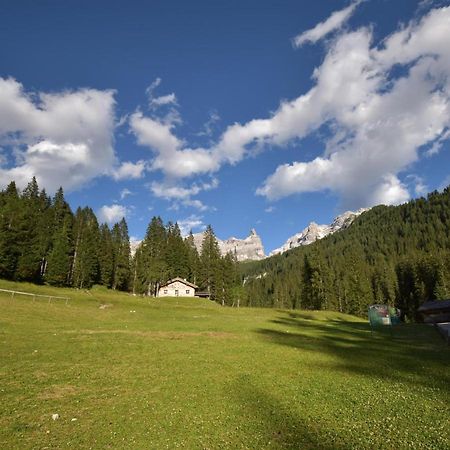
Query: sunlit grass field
(144,373)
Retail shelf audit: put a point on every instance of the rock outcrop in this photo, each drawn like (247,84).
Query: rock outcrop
(313,231)
(250,248)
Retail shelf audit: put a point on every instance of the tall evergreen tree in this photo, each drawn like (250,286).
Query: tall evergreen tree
(152,270)
(177,257)
(106,256)
(121,251)
(9,231)
(210,260)
(85,267)
(30,251)
(193,259)
(59,259)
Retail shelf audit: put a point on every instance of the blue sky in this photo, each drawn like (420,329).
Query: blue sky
(241,114)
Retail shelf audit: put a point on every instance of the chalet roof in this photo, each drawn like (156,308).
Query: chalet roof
(181,280)
(436,305)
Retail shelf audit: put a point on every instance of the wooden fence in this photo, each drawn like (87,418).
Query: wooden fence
(50,297)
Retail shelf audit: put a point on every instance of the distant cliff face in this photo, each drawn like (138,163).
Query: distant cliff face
(250,248)
(313,232)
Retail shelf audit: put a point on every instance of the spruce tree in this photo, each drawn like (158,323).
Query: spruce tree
(210,259)
(9,231)
(193,259)
(106,256)
(59,259)
(177,257)
(85,267)
(121,251)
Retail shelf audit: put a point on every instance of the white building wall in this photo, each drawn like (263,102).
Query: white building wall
(176,289)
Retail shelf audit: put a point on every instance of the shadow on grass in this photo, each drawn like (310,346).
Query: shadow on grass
(414,354)
(275,423)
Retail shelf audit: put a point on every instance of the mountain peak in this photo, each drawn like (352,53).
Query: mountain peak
(247,249)
(313,231)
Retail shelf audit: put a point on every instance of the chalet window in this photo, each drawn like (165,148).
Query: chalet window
(165,291)
(176,292)
(187,291)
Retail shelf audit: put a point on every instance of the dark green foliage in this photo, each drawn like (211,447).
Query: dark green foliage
(85,267)
(397,255)
(9,236)
(177,256)
(121,252)
(150,265)
(59,259)
(106,256)
(210,264)
(34,234)
(42,241)
(193,259)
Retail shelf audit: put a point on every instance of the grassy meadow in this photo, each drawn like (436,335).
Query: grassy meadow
(140,373)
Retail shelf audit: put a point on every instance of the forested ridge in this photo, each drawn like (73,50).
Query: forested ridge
(391,254)
(43,241)
(398,255)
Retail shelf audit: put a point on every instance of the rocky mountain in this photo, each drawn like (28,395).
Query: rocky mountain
(313,231)
(250,248)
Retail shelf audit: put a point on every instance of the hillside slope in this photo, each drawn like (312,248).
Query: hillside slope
(144,373)
(399,255)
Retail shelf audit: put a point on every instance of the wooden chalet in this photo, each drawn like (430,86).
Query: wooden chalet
(177,287)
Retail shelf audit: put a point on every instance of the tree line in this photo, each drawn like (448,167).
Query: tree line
(398,255)
(43,241)
(164,254)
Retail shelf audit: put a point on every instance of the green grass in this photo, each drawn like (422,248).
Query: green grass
(187,373)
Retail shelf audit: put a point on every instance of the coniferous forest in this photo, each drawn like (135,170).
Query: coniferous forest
(398,255)
(43,241)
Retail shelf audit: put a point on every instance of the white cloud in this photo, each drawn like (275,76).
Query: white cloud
(379,126)
(445,183)
(181,195)
(390,192)
(378,129)
(419,186)
(125,193)
(64,139)
(193,222)
(155,102)
(129,170)
(334,22)
(208,127)
(112,213)
(169,99)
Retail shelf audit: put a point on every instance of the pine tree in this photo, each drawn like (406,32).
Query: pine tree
(210,259)
(59,259)
(29,261)
(9,236)
(85,267)
(121,250)
(106,256)
(152,268)
(193,259)
(177,257)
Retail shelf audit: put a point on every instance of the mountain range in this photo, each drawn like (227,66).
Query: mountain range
(251,248)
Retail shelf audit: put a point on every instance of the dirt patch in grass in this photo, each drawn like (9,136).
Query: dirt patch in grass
(160,334)
(57,392)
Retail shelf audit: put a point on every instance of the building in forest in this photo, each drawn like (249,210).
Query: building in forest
(177,287)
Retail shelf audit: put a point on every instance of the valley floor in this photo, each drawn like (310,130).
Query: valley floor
(138,373)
